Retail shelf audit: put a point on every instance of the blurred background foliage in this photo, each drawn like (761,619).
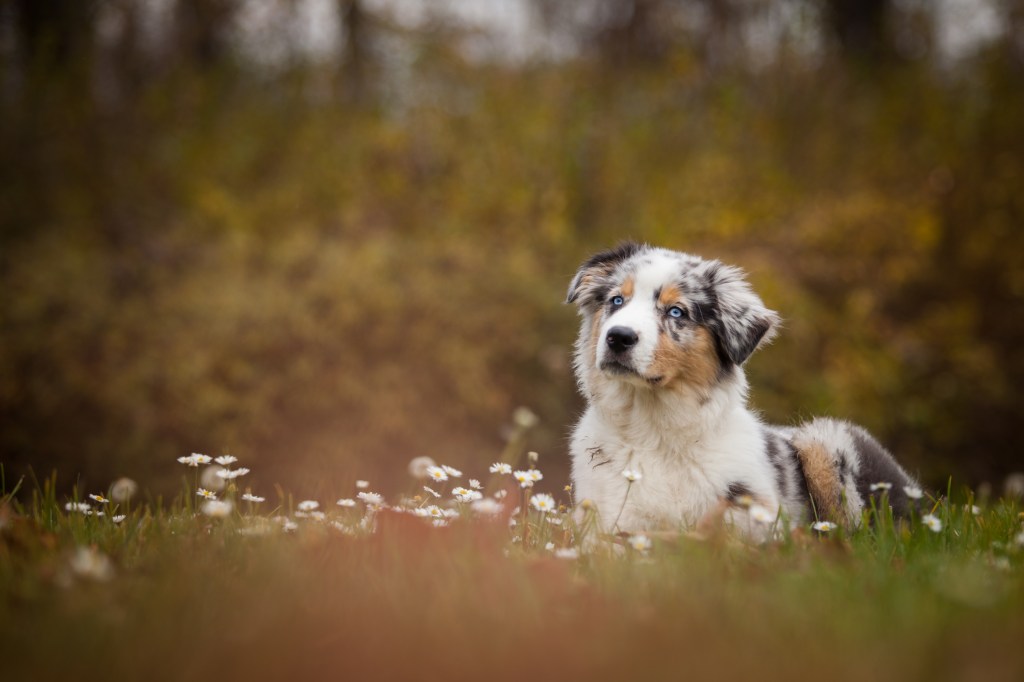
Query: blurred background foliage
(328,236)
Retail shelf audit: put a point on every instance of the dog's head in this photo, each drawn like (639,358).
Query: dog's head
(661,318)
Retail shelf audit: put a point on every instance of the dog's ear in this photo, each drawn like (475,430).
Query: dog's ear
(741,322)
(590,282)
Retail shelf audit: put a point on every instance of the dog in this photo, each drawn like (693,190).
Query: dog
(667,438)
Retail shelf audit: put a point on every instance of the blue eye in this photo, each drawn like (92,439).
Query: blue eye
(617,301)
(676,312)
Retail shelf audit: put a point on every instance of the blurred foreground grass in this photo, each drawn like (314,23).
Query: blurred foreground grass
(269,591)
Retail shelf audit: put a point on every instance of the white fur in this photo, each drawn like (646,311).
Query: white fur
(688,454)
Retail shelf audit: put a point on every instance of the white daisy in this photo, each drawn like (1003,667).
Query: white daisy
(640,543)
(466,495)
(933,522)
(474,484)
(524,478)
(206,494)
(973,508)
(418,466)
(211,478)
(217,509)
(308,505)
(501,468)
(372,499)
(881,485)
(123,489)
(249,497)
(543,502)
(760,514)
(81,507)
(437,474)
(524,418)
(745,501)
(195,459)
(1013,486)
(501,494)
(118,518)
(432,491)
(289,526)
(824,526)
(225,460)
(555,520)
(231,474)
(913,492)
(362,485)
(487,506)
(550,547)
(346,502)
(632,475)
(99,498)
(89,562)
(451,471)
(535,475)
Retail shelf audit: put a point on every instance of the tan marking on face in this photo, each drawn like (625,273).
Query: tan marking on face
(822,479)
(692,362)
(627,288)
(670,296)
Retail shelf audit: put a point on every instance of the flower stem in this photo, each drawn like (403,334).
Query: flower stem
(625,497)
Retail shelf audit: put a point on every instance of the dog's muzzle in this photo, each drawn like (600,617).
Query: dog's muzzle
(621,339)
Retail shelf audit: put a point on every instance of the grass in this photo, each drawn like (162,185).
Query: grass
(172,593)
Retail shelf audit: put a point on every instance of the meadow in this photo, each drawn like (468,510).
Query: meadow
(473,575)
(331,263)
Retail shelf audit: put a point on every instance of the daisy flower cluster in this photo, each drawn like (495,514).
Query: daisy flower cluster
(195,459)
(527,478)
(106,505)
(504,494)
(446,497)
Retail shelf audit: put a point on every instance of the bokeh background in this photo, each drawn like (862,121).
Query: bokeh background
(328,236)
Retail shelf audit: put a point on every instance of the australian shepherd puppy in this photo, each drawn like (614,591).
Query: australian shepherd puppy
(667,438)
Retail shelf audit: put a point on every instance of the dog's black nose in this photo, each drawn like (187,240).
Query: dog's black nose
(621,339)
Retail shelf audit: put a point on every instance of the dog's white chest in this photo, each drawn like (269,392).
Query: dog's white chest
(681,479)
